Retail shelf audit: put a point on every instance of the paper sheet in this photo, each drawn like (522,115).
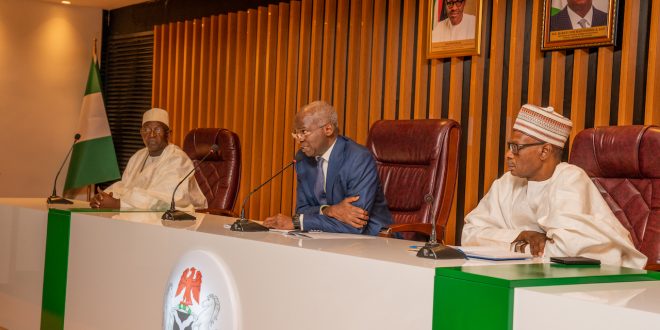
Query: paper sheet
(491,253)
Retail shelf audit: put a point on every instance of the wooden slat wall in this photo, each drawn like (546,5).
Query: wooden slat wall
(251,71)
(653,75)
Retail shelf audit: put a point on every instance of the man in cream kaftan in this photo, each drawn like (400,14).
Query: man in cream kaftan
(152,173)
(568,208)
(545,206)
(148,182)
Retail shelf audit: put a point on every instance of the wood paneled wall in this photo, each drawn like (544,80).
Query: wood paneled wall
(250,71)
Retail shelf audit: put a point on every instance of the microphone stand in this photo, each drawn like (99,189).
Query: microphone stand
(174,214)
(245,225)
(434,249)
(53,198)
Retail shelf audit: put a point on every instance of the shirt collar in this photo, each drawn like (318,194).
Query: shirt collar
(326,154)
(575,18)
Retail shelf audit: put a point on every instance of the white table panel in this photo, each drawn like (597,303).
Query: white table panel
(22,251)
(606,306)
(118,270)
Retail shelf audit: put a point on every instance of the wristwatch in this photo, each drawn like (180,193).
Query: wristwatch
(296,221)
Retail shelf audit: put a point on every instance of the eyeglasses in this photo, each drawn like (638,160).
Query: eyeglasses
(148,130)
(515,148)
(454,3)
(300,134)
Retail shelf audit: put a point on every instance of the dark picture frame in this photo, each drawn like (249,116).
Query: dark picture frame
(564,28)
(447,38)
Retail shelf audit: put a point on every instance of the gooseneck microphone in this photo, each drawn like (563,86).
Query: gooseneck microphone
(434,249)
(173,213)
(54,199)
(243,224)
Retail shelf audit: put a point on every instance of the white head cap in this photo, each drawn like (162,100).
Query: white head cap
(544,124)
(156,114)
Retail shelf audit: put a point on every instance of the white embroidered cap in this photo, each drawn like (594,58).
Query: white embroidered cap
(156,114)
(544,124)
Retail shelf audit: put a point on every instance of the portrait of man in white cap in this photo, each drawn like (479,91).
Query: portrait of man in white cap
(153,172)
(545,206)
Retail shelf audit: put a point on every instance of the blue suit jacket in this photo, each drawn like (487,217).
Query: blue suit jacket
(562,21)
(351,172)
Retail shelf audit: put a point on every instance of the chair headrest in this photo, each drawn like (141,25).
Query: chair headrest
(618,151)
(198,142)
(408,141)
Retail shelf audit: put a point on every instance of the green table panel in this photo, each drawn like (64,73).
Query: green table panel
(55,269)
(481,297)
(471,305)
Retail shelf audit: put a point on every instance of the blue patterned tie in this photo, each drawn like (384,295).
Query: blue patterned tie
(319,185)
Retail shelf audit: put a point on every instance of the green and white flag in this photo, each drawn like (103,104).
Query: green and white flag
(557,6)
(93,159)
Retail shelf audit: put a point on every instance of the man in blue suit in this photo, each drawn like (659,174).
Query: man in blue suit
(338,185)
(578,14)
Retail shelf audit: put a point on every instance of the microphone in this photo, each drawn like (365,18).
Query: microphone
(54,199)
(433,249)
(173,213)
(243,224)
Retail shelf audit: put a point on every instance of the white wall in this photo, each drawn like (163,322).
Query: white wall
(45,52)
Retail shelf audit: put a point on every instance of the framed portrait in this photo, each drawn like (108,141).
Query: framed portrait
(455,28)
(578,23)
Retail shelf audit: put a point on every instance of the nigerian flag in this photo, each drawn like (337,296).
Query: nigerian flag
(93,159)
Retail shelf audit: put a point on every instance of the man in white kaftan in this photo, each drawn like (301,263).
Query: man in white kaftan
(457,25)
(550,207)
(153,172)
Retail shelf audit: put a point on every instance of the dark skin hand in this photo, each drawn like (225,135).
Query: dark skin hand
(279,221)
(103,200)
(347,213)
(535,240)
(343,211)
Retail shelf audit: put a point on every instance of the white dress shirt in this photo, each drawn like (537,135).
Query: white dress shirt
(575,18)
(326,160)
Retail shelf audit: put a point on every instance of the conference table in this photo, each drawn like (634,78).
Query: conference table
(70,267)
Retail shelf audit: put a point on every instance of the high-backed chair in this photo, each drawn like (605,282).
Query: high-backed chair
(624,163)
(218,177)
(418,163)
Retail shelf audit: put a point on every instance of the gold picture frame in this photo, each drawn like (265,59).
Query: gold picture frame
(446,39)
(566,28)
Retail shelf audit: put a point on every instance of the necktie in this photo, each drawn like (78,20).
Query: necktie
(319,185)
(583,23)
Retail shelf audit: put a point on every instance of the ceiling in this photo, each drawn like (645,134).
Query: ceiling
(102,4)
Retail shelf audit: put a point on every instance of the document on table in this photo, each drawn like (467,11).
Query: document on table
(491,253)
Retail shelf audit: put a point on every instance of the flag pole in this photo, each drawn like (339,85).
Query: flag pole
(95,54)
(92,187)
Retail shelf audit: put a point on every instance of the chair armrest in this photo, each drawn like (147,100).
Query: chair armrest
(422,228)
(216,211)
(653,267)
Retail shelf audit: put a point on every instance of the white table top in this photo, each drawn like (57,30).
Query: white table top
(384,249)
